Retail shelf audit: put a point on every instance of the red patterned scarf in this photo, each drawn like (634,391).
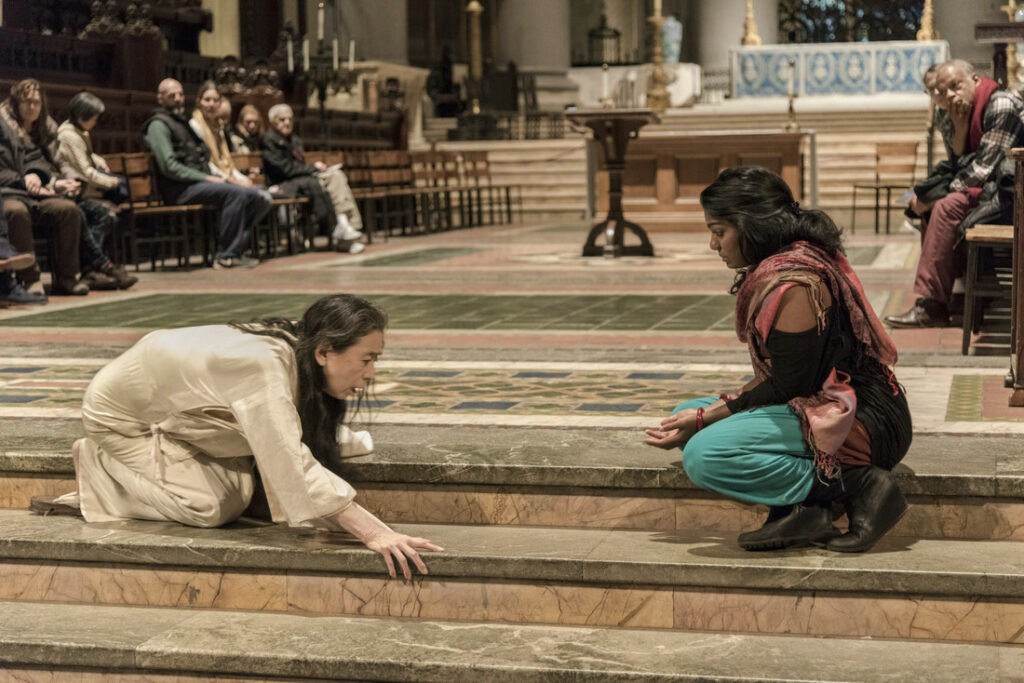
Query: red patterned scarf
(982,93)
(827,416)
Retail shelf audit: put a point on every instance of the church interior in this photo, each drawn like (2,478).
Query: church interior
(526,175)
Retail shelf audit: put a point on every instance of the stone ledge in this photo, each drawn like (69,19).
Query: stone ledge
(193,642)
(975,569)
(592,458)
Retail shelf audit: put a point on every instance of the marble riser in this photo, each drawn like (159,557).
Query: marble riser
(665,560)
(976,518)
(44,639)
(790,612)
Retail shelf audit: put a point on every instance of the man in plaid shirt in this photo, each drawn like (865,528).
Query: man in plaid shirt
(987,122)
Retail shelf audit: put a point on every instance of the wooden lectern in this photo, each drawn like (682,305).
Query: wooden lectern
(613,129)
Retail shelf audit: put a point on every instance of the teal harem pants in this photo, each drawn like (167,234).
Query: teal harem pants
(757,456)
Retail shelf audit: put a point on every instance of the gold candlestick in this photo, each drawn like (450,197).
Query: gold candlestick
(750,36)
(657,93)
(928,31)
(476,57)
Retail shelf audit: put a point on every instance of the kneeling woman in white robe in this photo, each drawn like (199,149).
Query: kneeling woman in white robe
(175,424)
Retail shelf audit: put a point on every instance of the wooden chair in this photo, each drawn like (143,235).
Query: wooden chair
(895,165)
(486,193)
(429,175)
(995,283)
(296,210)
(181,229)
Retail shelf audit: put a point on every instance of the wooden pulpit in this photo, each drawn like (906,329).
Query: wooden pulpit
(613,129)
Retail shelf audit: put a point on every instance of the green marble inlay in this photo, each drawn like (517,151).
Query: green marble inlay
(863,255)
(412,258)
(450,311)
(965,395)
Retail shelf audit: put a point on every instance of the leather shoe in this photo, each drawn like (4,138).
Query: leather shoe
(69,288)
(924,313)
(802,526)
(123,277)
(12,259)
(19,295)
(99,281)
(873,505)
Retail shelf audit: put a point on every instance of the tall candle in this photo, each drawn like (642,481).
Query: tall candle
(305,54)
(351,54)
(657,8)
(604,81)
(320,21)
(792,69)
(334,53)
(291,55)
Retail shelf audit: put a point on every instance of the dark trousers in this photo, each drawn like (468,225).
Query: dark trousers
(59,220)
(240,208)
(99,219)
(940,261)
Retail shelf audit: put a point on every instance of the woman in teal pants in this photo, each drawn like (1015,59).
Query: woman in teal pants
(824,419)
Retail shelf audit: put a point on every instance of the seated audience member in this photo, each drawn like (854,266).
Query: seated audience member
(284,161)
(36,193)
(11,291)
(246,134)
(100,193)
(184,177)
(207,123)
(969,194)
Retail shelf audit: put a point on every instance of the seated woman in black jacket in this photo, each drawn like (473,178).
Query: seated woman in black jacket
(284,162)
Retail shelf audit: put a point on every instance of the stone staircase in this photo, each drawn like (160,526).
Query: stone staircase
(570,555)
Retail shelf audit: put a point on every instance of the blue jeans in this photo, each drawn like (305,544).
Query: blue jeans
(98,222)
(240,208)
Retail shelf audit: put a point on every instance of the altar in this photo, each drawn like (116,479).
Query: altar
(666,171)
(833,68)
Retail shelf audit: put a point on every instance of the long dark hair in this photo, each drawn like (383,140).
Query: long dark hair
(760,205)
(337,321)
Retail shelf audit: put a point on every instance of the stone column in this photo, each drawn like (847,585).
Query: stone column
(955,20)
(224,39)
(720,28)
(380,29)
(535,34)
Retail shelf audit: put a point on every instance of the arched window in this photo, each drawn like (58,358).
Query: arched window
(837,21)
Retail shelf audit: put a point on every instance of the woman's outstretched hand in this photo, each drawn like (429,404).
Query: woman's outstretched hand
(381,538)
(399,548)
(674,430)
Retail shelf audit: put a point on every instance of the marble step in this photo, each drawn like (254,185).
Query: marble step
(41,641)
(959,486)
(686,580)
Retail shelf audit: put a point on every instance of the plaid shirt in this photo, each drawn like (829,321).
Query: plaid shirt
(1003,128)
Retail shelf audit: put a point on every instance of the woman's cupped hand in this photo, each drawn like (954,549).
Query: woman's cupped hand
(674,431)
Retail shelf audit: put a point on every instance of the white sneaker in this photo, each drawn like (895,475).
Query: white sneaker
(344,230)
(356,248)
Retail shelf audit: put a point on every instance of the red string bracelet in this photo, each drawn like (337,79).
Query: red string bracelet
(725,397)
(700,419)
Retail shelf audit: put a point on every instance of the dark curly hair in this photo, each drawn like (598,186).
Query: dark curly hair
(337,321)
(760,205)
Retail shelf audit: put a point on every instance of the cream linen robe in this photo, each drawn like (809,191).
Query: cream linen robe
(174,424)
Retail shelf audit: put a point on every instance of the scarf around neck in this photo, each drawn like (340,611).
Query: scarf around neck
(982,94)
(828,415)
(220,155)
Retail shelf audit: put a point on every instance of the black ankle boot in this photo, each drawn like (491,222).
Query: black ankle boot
(873,505)
(803,525)
(791,525)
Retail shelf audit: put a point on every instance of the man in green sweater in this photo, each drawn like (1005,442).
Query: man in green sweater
(184,177)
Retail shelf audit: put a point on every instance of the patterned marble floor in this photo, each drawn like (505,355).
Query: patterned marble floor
(488,292)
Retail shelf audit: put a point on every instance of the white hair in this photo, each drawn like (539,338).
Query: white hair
(279,110)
